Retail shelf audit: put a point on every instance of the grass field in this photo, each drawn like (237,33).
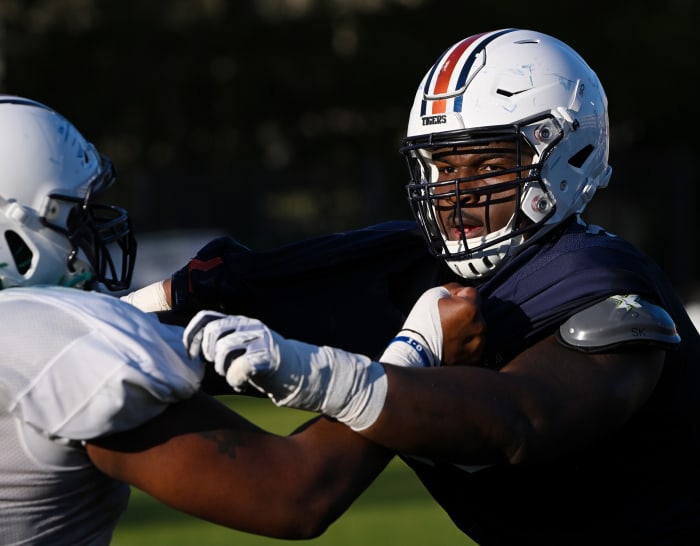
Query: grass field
(394,510)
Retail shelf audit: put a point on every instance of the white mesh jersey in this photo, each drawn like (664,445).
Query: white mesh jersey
(75,365)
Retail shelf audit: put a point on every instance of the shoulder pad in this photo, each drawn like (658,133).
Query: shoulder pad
(619,320)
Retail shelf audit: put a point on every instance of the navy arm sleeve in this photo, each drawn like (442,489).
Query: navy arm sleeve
(350,290)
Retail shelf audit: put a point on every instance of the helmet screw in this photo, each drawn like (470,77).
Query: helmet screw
(543,133)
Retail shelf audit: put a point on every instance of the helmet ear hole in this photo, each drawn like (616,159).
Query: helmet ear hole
(21,253)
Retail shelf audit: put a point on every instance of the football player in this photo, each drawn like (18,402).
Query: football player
(577,422)
(97,396)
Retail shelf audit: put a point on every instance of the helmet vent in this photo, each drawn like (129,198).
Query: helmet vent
(579,158)
(21,253)
(507,93)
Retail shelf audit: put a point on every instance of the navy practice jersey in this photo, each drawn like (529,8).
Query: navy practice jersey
(639,486)
(353,290)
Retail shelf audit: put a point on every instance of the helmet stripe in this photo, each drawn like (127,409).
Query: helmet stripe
(445,67)
(448,67)
(444,70)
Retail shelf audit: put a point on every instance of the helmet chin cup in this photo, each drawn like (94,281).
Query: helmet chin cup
(486,257)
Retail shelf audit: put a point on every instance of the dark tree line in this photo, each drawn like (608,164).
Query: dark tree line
(275,120)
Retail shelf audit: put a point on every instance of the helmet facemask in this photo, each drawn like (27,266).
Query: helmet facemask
(456,213)
(98,234)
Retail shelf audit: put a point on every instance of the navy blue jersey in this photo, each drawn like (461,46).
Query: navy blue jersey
(637,487)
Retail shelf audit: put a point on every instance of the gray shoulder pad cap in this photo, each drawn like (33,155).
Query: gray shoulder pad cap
(619,320)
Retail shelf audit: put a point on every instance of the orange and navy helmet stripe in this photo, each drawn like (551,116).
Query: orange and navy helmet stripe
(438,81)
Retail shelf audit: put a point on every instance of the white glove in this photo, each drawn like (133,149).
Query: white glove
(419,342)
(225,339)
(343,385)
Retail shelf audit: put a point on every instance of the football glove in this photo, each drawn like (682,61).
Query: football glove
(346,386)
(205,280)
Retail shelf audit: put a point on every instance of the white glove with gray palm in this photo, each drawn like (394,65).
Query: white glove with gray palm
(343,385)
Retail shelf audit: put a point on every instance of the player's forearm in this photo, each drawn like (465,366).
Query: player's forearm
(338,467)
(441,413)
(205,460)
(306,481)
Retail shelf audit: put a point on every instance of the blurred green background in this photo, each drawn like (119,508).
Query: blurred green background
(273,120)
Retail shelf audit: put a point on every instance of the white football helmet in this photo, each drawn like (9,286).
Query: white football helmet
(51,232)
(514,86)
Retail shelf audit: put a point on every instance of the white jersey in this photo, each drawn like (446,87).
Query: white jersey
(75,366)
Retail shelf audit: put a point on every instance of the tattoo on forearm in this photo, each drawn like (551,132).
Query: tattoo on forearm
(225,440)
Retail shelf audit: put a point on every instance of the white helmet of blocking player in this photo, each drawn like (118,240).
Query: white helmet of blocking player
(51,230)
(508,86)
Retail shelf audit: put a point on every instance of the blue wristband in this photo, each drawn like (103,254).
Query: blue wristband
(418,347)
